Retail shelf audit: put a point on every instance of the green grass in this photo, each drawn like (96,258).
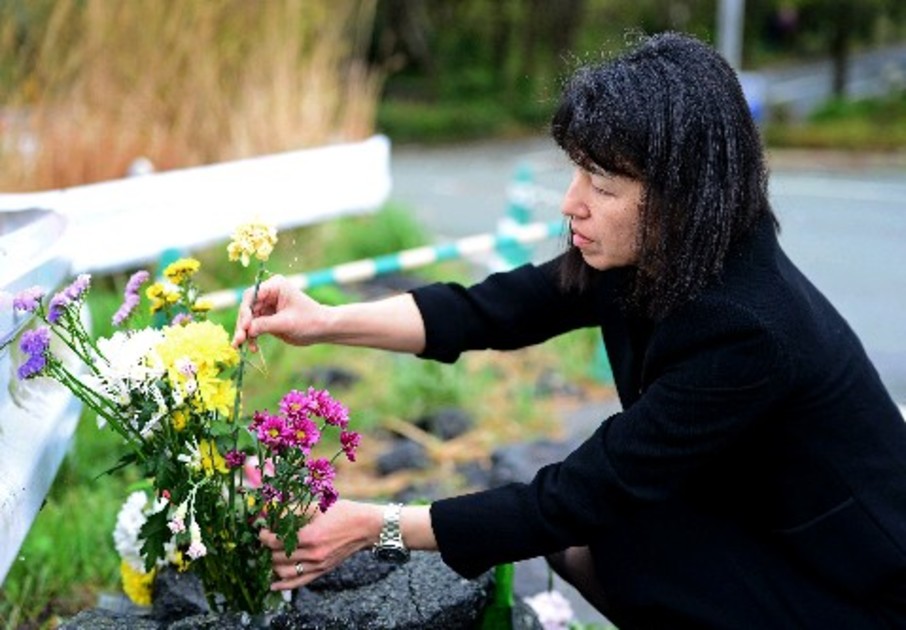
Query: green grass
(875,124)
(481,118)
(68,557)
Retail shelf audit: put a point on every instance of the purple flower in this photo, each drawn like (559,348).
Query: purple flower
(350,441)
(66,297)
(303,433)
(234,458)
(35,344)
(55,309)
(320,475)
(28,299)
(181,319)
(327,497)
(273,432)
(136,281)
(131,297)
(125,309)
(78,287)
(271,494)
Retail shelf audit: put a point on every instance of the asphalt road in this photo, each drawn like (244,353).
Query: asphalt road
(844,224)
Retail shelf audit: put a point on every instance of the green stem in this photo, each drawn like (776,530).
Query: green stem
(240,373)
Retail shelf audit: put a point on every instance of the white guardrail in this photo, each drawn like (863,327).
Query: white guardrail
(45,237)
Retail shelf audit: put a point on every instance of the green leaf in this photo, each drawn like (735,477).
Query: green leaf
(125,460)
(155,533)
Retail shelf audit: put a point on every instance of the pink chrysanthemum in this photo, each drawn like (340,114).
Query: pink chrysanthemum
(349,441)
(295,404)
(234,458)
(320,403)
(320,475)
(273,432)
(327,497)
(303,433)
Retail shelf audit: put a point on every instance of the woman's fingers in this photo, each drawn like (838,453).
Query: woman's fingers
(295,570)
(265,303)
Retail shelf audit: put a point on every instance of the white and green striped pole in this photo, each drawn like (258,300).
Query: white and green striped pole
(368,268)
(518,213)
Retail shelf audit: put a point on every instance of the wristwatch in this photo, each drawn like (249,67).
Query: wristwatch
(390,547)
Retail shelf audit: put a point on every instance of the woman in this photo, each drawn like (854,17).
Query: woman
(756,477)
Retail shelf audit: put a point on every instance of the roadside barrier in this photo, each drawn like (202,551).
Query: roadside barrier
(368,268)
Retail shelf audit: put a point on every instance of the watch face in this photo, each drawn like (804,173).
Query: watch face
(391,554)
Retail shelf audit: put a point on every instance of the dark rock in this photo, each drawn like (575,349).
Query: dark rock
(101,619)
(360,569)
(423,593)
(446,423)
(524,618)
(330,377)
(217,621)
(475,475)
(520,462)
(177,595)
(402,455)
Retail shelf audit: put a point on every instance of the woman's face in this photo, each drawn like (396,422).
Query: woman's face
(603,212)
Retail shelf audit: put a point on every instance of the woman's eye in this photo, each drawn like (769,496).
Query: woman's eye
(600,190)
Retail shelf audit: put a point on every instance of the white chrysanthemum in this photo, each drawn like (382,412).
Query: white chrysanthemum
(129,522)
(131,356)
(553,609)
(131,365)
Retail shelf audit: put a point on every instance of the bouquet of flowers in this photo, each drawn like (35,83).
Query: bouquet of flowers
(172,391)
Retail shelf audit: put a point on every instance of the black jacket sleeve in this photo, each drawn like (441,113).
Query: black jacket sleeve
(703,386)
(506,311)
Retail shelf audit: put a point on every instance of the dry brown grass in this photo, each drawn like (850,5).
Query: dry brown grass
(99,83)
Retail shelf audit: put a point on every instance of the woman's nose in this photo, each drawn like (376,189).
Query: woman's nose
(573,205)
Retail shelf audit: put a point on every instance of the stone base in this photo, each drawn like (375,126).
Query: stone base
(363,594)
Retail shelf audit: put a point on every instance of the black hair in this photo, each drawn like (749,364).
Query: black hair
(671,114)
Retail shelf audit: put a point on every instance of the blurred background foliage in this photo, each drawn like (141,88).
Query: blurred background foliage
(478,67)
(87,86)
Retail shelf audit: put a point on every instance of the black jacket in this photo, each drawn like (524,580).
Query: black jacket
(755,402)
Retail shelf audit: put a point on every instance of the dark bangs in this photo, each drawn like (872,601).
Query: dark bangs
(592,126)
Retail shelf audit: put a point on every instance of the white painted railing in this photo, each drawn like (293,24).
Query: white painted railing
(117,224)
(45,237)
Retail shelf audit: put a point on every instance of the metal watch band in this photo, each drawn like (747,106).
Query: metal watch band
(391,535)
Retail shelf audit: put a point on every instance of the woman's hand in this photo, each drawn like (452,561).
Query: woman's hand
(281,310)
(326,541)
(329,538)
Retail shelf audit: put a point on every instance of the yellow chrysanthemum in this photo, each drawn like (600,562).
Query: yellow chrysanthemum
(178,560)
(211,459)
(252,240)
(161,296)
(202,306)
(206,347)
(219,395)
(179,420)
(181,270)
(136,584)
